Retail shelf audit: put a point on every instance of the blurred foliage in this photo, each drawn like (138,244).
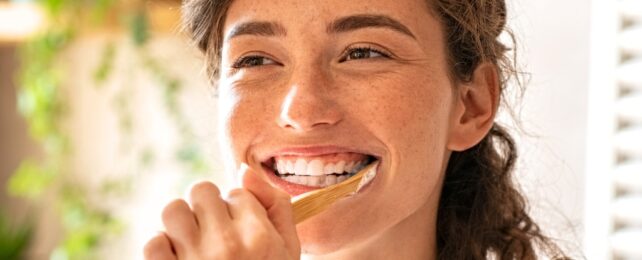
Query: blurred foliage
(189,152)
(30,179)
(139,28)
(106,64)
(14,238)
(41,101)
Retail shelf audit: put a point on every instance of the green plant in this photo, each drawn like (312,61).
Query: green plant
(14,239)
(43,105)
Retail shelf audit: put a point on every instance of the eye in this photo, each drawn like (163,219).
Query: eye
(252,61)
(363,53)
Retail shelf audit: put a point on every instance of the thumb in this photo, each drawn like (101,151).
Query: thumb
(277,204)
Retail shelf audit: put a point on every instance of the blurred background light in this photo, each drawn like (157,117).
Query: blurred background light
(19,20)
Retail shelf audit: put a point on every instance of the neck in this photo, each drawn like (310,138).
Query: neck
(412,238)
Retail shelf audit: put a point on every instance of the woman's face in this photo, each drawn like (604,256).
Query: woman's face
(316,87)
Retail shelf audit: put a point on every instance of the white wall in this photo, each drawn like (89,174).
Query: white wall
(553,47)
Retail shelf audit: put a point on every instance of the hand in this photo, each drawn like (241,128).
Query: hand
(255,222)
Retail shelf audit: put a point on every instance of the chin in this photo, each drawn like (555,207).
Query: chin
(323,240)
(332,232)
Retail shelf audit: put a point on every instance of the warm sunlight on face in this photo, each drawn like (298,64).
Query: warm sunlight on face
(332,84)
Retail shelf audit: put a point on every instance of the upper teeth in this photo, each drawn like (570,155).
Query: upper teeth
(317,167)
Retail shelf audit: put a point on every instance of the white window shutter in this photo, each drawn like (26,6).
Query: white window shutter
(613,220)
(626,239)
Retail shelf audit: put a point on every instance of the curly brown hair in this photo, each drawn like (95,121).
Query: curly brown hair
(481,212)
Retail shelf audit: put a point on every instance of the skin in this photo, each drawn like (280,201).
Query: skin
(396,101)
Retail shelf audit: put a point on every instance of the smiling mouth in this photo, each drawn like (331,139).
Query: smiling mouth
(317,171)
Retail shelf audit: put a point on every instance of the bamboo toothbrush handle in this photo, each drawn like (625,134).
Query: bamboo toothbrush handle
(315,202)
(311,203)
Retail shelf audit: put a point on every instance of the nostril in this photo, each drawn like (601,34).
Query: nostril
(304,110)
(308,123)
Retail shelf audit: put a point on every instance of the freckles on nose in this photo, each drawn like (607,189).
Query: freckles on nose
(303,110)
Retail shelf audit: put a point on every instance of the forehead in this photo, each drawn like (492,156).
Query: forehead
(299,16)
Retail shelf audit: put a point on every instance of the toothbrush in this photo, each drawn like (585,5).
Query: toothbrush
(311,203)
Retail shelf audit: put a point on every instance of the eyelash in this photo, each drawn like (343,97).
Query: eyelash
(347,52)
(242,62)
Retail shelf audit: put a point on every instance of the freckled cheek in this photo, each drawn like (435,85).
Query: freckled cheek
(415,114)
(418,138)
(241,120)
(414,124)
(428,126)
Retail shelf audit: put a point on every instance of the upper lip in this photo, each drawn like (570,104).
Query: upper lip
(309,151)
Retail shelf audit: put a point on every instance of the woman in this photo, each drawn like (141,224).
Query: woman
(310,85)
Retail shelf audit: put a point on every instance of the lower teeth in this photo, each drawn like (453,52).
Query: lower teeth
(316,181)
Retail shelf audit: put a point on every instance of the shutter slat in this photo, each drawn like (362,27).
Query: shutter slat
(628,177)
(627,210)
(618,62)
(629,107)
(629,74)
(626,243)
(628,142)
(630,40)
(630,9)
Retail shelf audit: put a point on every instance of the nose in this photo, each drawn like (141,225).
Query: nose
(309,103)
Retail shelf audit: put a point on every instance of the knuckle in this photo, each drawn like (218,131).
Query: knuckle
(256,225)
(260,243)
(155,244)
(225,249)
(257,248)
(258,232)
(173,207)
(259,239)
(232,249)
(236,194)
(150,247)
(228,235)
(232,245)
(204,188)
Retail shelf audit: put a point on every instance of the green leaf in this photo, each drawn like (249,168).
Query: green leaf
(106,64)
(80,242)
(139,28)
(29,180)
(53,6)
(14,238)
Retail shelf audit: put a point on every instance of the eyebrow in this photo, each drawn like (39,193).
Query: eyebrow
(341,25)
(355,22)
(257,28)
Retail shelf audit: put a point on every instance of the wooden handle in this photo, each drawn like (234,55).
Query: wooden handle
(311,203)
